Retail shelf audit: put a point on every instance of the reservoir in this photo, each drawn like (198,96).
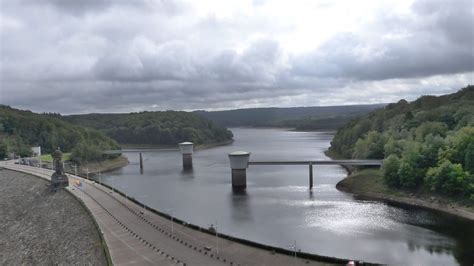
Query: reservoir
(278,209)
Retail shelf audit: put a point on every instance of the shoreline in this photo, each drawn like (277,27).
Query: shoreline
(159,146)
(105,166)
(122,161)
(451,209)
(410,199)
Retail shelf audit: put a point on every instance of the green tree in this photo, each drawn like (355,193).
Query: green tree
(391,166)
(433,128)
(448,178)
(469,158)
(371,147)
(3,150)
(410,173)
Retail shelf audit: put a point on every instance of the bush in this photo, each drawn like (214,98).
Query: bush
(390,171)
(449,178)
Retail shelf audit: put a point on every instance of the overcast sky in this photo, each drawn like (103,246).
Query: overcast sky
(73,56)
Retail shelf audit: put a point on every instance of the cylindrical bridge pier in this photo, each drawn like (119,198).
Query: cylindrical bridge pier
(239,163)
(186,149)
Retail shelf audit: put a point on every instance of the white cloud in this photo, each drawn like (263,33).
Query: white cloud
(133,55)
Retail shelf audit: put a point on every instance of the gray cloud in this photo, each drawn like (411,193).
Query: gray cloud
(91,56)
(439,39)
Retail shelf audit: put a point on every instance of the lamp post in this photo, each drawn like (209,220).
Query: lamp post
(294,248)
(125,194)
(171,219)
(143,203)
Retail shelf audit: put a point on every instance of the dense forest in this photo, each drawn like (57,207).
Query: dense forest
(20,130)
(304,118)
(427,144)
(156,128)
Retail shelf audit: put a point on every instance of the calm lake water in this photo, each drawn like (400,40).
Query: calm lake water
(278,209)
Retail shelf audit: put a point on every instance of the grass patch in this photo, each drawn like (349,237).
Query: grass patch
(368,180)
(49,158)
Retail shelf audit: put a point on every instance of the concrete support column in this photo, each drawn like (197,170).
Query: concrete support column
(141,162)
(238,163)
(186,149)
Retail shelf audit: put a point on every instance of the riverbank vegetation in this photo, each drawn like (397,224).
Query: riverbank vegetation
(154,128)
(49,158)
(427,145)
(20,130)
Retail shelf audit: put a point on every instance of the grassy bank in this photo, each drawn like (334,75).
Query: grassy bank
(104,166)
(369,183)
(48,158)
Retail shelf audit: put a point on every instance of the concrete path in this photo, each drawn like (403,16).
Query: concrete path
(138,237)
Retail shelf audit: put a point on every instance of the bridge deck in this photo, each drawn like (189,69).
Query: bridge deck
(321,162)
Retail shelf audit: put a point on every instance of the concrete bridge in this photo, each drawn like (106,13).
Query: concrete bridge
(239,162)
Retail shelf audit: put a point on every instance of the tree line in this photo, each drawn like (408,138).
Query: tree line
(304,118)
(155,128)
(427,144)
(87,136)
(20,130)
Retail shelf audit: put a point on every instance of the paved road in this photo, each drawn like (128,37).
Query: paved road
(139,237)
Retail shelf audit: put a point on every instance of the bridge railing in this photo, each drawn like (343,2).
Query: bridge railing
(322,162)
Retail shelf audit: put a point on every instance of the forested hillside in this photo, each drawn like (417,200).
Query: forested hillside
(157,128)
(426,144)
(304,118)
(20,130)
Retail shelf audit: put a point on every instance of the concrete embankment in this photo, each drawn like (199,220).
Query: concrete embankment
(39,227)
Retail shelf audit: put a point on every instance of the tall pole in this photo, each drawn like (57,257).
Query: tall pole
(295,248)
(311,176)
(217,241)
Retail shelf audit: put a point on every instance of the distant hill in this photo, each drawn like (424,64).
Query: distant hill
(318,117)
(20,130)
(154,128)
(426,144)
